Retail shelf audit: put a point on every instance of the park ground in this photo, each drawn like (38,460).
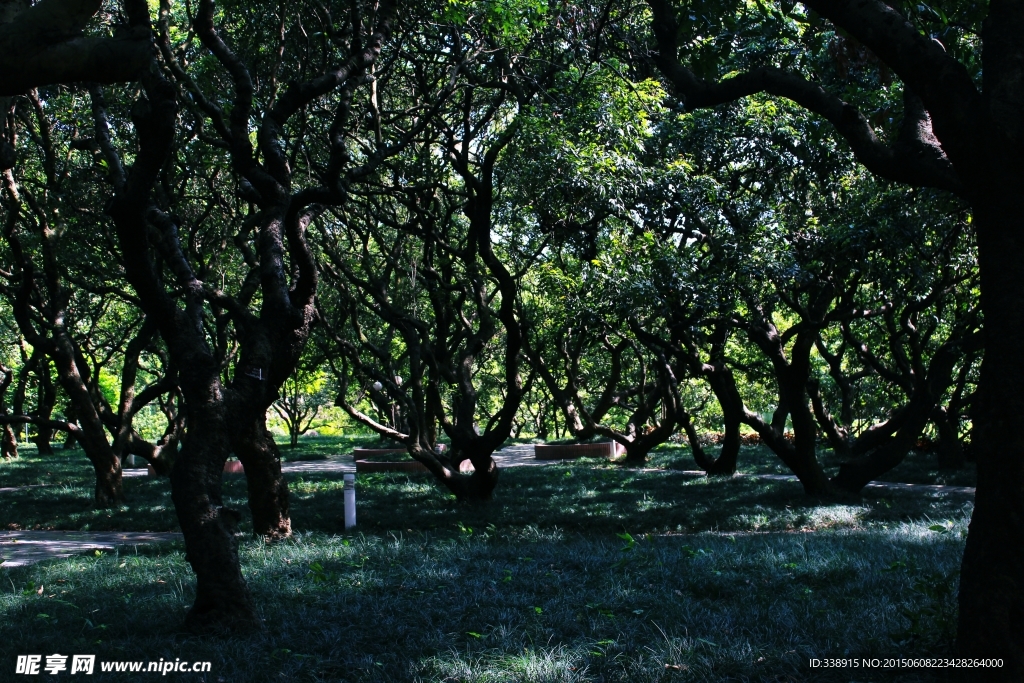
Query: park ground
(577,571)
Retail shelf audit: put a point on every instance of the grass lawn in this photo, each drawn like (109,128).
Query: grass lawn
(917,468)
(578,571)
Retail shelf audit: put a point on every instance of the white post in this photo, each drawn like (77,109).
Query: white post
(350,500)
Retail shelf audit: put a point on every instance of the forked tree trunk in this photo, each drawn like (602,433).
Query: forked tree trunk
(728,456)
(639,447)
(109,490)
(160,455)
(477,486)
(637,451)
(800,455)
(482,482)
(28,364)
(8,444)
(855,474)
(991,617)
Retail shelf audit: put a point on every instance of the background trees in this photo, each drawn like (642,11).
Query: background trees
(303,396)
(618,218)
(956,134)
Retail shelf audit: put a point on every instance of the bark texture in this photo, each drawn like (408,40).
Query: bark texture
(268,493)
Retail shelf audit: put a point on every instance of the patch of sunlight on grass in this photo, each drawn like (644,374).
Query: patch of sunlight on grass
(831,516)
(532,665)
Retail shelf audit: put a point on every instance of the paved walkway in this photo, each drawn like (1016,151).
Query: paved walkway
(519,455)
(11,489)
(21,548)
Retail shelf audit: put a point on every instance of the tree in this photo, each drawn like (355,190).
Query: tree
(428,289)
(303,395)
(423,327)
(8,444)
(68,322)
(269,207)
(959,134)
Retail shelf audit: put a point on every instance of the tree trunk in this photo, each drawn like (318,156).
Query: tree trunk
(638,448)
(950,449)
(28,364)
(8,444)
(636,452)
(44,410)
(268,492)
(109,491)
(222,602)
(703,460)
(791,377)
(837,435)
(855,474)
(803,460)
(483,480)
(991,617)
(728,456)
(93,435)
(160,455)
(723,384)
(476,487)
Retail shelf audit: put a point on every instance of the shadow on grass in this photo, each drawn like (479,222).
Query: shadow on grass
(575,572)
(917,468)
(147,507)
(64,467)
(578,496)
(523,604)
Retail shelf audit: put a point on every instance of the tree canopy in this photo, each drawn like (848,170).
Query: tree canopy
(465,221)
